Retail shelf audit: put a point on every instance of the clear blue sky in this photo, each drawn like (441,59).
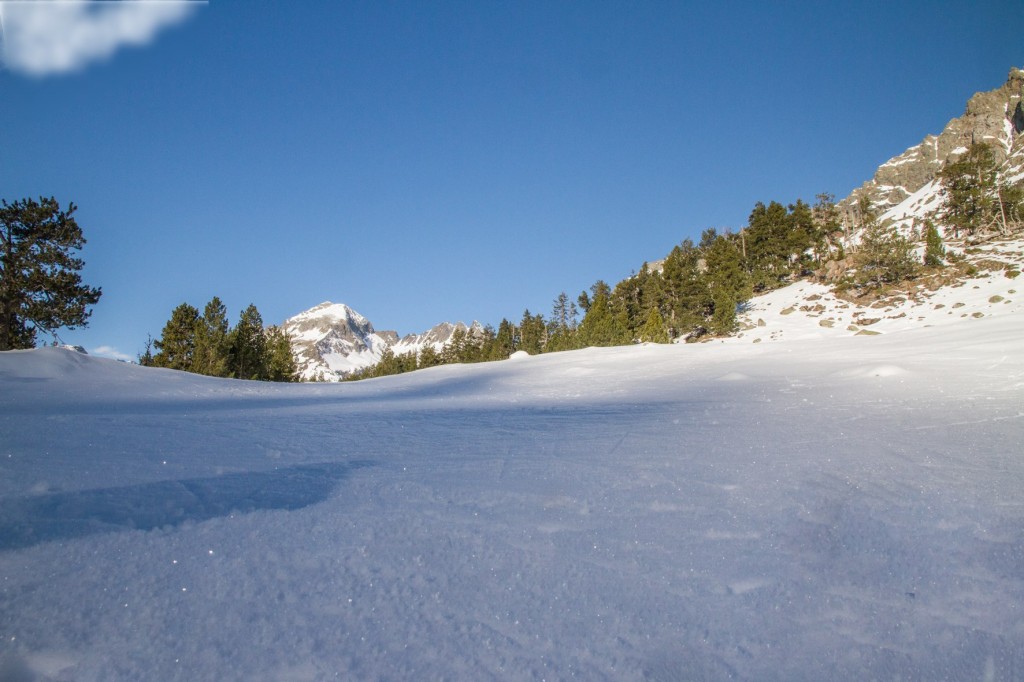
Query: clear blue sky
(429,161)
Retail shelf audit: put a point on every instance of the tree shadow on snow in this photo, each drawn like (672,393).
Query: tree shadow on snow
(28,521)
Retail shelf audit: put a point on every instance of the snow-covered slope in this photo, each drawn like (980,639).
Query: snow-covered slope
(807,309)
(818,507)
(331,340)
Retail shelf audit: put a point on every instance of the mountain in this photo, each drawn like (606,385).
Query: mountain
(435,337)
(905,187)
(331,341)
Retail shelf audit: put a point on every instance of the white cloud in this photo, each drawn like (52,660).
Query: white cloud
(111,352)
(44,37)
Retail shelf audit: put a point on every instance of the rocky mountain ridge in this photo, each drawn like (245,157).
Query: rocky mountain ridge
(331,341)
(905,186)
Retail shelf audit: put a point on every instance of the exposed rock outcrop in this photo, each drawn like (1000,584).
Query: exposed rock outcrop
(995,117)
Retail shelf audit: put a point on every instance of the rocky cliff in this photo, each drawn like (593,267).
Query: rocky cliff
(995,117)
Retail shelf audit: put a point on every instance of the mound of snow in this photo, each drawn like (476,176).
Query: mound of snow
(706,511)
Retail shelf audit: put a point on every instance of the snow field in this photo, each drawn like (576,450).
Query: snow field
(832,507)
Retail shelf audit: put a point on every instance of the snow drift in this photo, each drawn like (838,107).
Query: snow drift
(824,508)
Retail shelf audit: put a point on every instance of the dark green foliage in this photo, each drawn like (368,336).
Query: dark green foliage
(934,251)
(634,298)
(828,227)
(146,356)
(602,326)
(883,256)
(212,343)
(563,314)
(780,243)
(458,349)
(654,329)
(428,357)
(804,242)
(247,357)
(504,342)
(206,345)
(177,343)
(280,358)
(685,290)
(1011,202)
(969,185)
(562,325)
(40,288)
(764,245)
(725,269)
(723,321)
(532,333)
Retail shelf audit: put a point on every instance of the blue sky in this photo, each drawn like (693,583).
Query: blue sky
(429,161)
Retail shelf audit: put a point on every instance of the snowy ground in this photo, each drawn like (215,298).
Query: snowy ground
(811,310)
(824,506)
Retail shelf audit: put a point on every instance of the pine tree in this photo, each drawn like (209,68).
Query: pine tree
(969,185)
(145,358)
(804,239)
(455,350)
(883,256)
(725,271)
(211,340)
(723,321)
(653,330)
(563,314)
(281,364)
(687,295)
(601,326)
(428,357)
(1011,205)
(562,325)
(532,333)
(177,343)
(934,251)
(765,242)
(248,349)
(40,288)
(828,224)
(504,342)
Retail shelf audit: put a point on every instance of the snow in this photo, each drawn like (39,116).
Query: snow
(920,204)
(811,310)
(331,312)
(819,505)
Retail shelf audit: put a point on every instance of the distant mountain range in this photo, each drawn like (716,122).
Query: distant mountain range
(332,340)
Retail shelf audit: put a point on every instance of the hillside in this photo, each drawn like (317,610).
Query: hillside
(904,186)
(785,244)
(809,507)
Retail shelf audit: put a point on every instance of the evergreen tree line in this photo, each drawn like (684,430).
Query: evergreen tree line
(977,198)
(695,292)
(207,344)
(700,286)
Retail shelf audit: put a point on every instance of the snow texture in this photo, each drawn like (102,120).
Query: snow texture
(819,506)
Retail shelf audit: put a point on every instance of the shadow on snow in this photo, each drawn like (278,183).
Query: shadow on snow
(28,521)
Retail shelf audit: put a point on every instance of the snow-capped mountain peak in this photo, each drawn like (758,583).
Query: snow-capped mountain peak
(332,340)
